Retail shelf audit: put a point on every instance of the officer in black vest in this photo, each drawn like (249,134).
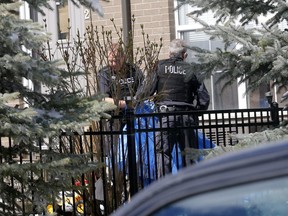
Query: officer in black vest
(119,79)
(177,89)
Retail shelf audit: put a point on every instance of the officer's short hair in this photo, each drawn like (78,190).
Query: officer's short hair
(177,46)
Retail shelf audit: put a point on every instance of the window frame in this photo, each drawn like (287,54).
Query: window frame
(180,30)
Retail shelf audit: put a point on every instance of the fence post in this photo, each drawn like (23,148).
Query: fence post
(274,114)
(132,166)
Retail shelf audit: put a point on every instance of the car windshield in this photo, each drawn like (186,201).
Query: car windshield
(263,198)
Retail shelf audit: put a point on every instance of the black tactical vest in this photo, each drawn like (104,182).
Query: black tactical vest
(123,83)
(176,81)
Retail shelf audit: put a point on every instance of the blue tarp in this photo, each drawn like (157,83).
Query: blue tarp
(145,156)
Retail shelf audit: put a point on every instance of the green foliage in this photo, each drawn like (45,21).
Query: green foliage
(252,55)
(259,54)
(32,121)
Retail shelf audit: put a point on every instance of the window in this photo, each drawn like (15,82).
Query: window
(232,96)
(62,19)
(221,98)
(259,198)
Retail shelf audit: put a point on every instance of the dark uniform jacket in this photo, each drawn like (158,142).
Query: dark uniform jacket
(120,83)
(177,85)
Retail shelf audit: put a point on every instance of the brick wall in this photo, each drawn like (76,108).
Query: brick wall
(157,17)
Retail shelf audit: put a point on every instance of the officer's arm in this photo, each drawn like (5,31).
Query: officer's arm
(147,87)
(203,97)
(103,82)
(140,75)
(149,84)
(121,103)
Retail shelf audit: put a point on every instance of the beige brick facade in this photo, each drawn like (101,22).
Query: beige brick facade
(157,17)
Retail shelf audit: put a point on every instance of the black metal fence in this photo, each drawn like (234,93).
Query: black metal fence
(126,147)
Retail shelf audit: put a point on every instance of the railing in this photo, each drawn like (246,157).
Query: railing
(126,146)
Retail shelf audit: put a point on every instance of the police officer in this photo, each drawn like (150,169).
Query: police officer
(118,79)
(177,89)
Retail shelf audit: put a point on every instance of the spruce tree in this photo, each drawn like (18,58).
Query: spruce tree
(31,121)
(252,55)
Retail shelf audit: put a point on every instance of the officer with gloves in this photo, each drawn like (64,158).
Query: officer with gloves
(119,78)
(177,88)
